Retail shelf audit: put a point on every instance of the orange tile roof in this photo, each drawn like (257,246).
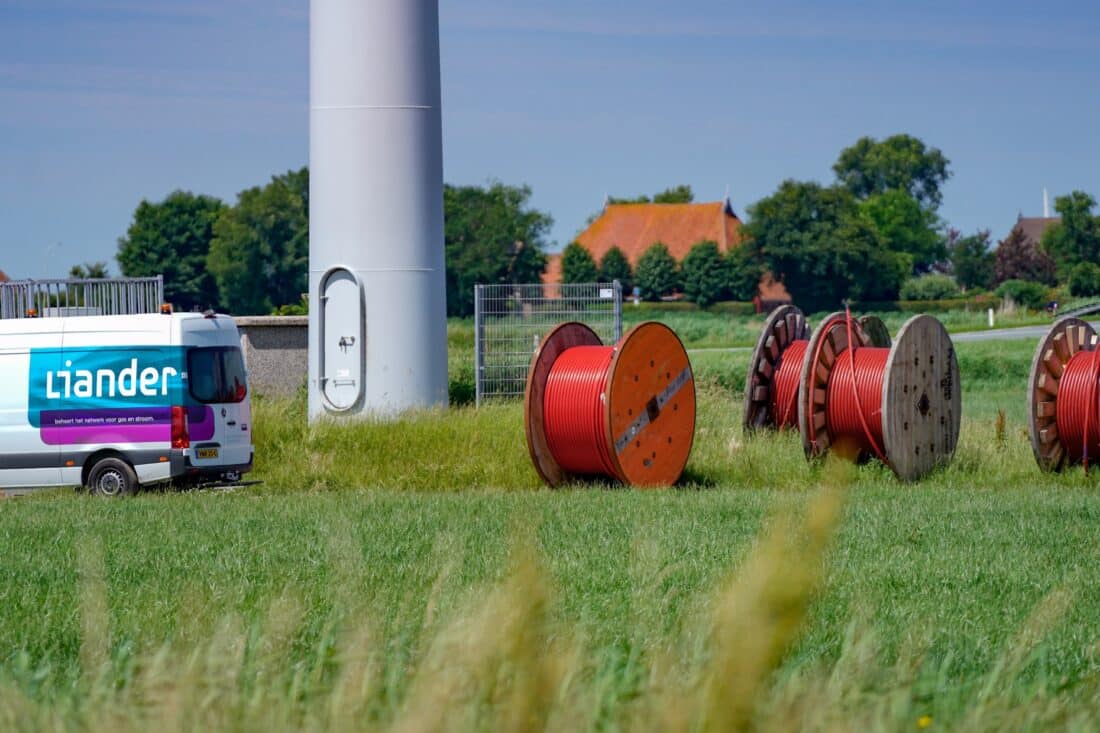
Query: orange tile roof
(4,277)
(634,227)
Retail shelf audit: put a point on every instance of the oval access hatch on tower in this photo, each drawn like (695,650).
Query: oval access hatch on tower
(342,336)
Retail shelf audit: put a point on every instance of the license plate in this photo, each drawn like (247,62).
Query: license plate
(207,453)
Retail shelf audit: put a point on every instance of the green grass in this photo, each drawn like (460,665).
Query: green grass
(374,577)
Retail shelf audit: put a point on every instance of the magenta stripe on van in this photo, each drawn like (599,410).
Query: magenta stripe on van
(122,425)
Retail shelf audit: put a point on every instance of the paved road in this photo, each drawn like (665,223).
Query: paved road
(1020,332)
(992,334)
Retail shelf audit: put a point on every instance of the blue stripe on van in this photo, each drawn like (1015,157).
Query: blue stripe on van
(105,378)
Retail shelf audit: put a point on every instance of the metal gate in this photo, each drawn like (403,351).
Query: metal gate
(81,297)
(510,321)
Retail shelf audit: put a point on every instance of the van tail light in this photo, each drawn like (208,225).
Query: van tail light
(180,436)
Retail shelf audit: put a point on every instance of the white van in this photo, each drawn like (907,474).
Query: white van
(115,402)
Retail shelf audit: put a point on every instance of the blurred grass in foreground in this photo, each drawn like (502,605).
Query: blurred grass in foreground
(532,612)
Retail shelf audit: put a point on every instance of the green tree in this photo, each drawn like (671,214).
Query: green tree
(1076,238)
(972,259)
(1017,258)
(615,266)
(656,273)
(906,227)
(86,271)
(492,235)
(1084,280)
(816,242)
(172,238)
(704,274)
(89,271)
(744,272)
(577,265)
(259,256)
(900,162)
(681,194)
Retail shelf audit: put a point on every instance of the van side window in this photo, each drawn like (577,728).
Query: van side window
(216,374)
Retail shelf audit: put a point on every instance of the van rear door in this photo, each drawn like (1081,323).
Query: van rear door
(220,427)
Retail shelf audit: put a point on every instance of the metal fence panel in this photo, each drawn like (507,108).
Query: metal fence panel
(510,321)
(81,297)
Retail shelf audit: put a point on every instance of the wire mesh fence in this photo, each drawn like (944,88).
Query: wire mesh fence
(510,320)
(81,297)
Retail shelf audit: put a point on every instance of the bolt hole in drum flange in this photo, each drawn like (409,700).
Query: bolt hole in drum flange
(639,441)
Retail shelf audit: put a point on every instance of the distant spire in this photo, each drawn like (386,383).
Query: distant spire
(1046,204)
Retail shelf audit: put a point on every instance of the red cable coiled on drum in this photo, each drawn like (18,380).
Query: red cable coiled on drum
(785,393)
(853,399)
(1077,414)
(574,411)
(856,399)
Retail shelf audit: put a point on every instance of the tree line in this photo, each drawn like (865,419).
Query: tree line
(252,257)
(872,234)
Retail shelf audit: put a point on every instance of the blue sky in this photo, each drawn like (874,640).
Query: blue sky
(105,103)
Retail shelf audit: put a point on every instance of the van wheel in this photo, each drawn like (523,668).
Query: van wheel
(112,477)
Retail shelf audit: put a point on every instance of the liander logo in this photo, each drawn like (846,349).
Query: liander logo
(126,382)
(74,381)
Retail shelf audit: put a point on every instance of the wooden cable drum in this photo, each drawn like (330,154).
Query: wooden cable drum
(1063,407)
(901,404)
(625,412)
(875,330)
(771,385)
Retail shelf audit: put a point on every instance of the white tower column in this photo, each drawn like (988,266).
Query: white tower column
(377,294)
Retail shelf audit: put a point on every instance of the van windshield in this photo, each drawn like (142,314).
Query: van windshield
(216,374)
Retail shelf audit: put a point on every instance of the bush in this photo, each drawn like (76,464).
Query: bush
(1084,280)
(733,308)
(929,287)
(704,274)
(577,265)
(656,272)
(979,302)
(1029,294)
(615,266)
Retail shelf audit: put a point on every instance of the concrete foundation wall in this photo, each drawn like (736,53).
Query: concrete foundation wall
(275,353)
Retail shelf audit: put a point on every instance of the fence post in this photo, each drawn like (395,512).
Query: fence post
(618,309)
(479,342)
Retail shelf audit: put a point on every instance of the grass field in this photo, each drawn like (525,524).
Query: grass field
(414,576)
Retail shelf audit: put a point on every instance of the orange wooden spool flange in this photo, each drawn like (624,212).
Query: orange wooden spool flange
(1066,337)
(785,325)
(921,400)
(649,404)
